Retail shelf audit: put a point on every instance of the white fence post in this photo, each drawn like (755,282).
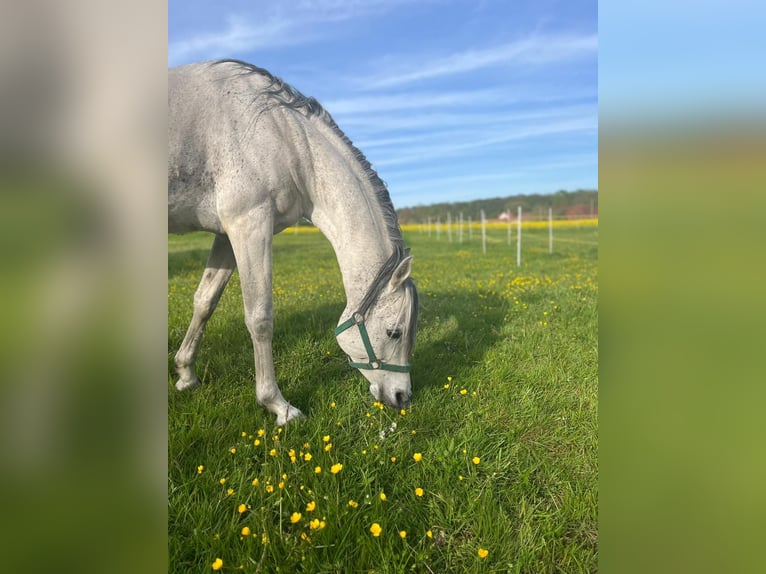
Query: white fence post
(550,230)
(438,228)
(460,229)
(483,232)
(449,226)
(518,241)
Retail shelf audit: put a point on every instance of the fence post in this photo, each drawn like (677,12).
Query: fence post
(550,230)
(438,228)
(518,241)
(460,229)
(449,226)
(483,233)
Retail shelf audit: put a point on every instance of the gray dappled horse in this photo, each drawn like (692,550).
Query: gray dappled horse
(248,156)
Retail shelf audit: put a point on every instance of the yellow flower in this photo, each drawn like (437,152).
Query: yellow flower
(483,553)
(326,438)
(403,412)
(295,517)
(332,405)
(217,564)
(418,491)
(383,496)
(376,529)
(311,506)
(446,386)
(261,433)
(393,459)
(307,456)
(230,491)
(264,538)
(414,432)
(257,442)
(269,488)
(241,508)
(244,433)
(460,477)
(200,468)
(476,460)
(402,534)
(256,482)
(222,481)
(336,468)
(318,470)
(463,392)
(327,447)
(273,452)
(291,452)
(429,534)
(281,484)
(449,379)
(353,504)
(245,531)
(232,450)
(417,457)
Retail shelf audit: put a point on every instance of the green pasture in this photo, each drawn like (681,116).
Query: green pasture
(503,419)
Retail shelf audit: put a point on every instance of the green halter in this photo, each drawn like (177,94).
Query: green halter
(374,363)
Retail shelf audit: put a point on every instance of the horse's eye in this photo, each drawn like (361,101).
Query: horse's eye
(394,333)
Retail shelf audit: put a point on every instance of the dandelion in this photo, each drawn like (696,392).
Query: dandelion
(318,470)
(257,442)
(311,506)
(476,460)
(273,452)
(383,496)
(463,392)
(326,438)
(376,529)
(269,488)
(200,468)
(230,491)
(483,553)
(256,482)
(241,508)
(353,504)
(336,468)
(222,481)
(417,457)
(327,447)
(418,491)
(402,534)
(217,564)
(261,433)
(429,534)
(295,517)
(245,531)
(307,456)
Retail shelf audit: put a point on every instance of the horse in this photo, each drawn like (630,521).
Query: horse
(249,156)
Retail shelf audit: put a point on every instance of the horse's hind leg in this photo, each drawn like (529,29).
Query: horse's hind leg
(220,265)
(251,238)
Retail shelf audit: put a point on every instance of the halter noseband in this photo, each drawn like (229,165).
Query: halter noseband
(374,363)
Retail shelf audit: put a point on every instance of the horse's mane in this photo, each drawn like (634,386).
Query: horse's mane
(284,94)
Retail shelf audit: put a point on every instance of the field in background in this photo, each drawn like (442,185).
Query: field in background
(504,418)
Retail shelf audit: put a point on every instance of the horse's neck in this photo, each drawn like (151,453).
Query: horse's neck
(360,242)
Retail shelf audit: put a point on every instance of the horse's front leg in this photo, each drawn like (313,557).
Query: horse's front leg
(220,266)
(251,239)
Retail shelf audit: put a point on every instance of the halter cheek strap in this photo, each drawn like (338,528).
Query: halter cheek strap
(374,363)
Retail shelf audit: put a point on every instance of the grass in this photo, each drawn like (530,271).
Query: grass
(505,369)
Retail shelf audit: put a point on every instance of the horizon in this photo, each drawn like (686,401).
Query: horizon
(495,100)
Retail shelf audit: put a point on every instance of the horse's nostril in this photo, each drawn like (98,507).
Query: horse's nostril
(402,399)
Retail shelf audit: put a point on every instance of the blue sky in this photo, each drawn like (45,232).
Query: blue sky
(449,100)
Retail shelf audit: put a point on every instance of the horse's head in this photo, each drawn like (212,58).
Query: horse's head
(380,334)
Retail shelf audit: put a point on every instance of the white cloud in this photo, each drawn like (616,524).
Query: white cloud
(536,50)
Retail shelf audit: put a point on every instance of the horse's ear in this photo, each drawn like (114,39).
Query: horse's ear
(401,273)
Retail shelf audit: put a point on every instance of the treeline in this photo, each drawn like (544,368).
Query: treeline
(580,203)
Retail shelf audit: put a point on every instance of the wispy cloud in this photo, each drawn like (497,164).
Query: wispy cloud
(536,50)
(275,25)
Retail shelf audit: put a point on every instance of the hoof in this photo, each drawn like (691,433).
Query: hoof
(290,414)
(187,385)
